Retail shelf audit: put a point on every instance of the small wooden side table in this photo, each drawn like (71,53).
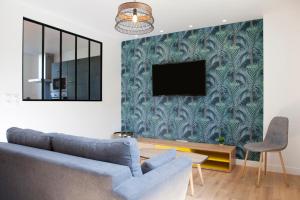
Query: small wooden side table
(197,159)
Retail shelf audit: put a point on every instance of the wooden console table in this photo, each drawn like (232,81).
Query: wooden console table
(220,157)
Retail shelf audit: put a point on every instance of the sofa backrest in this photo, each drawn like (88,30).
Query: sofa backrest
(119,151)
(28,173)
(28,137)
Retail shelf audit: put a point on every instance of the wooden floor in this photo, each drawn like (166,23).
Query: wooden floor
(225,186)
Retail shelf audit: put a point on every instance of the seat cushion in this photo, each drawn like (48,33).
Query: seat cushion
(158,160)
(119,151)
(262,147)
(28,137)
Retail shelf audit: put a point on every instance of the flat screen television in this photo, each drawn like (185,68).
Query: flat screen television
(184,79)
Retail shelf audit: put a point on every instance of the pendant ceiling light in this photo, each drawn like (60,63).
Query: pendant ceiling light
(134,18)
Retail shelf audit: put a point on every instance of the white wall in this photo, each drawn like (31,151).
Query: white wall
(93,119)
(282,75)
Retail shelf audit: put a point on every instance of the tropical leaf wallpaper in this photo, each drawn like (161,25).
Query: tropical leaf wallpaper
(233,106)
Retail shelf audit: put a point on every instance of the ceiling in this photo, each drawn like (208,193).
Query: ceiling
(169,15)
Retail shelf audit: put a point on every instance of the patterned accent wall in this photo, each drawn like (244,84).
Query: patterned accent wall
(233,106)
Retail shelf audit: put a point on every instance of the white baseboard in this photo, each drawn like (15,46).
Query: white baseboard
(271,167)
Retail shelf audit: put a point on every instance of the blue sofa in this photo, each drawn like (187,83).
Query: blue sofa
(40,166)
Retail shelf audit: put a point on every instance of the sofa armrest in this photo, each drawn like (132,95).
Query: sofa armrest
(169,181)
(158,160)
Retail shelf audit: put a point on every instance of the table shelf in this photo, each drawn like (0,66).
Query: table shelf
(214,165)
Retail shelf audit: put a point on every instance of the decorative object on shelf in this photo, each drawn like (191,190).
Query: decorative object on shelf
(221,140)
(134,18)
(123,135)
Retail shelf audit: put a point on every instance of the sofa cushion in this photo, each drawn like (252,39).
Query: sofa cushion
(158,160)
(119,151)
(28,137)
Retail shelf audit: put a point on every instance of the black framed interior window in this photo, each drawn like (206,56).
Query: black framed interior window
(59,65)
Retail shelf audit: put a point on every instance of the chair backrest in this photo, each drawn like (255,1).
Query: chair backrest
(278,132)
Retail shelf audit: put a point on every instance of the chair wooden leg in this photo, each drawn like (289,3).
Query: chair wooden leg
(259,168)
(192,183)
(265,159)
(200,174)
(245,163)
(283,168)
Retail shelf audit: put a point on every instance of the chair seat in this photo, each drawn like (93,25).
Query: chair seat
(262,147)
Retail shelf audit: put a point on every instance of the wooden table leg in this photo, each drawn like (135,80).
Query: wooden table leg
(245,163)
(192,183)
(200,173)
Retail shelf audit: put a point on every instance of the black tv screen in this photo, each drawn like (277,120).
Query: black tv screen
(185,79)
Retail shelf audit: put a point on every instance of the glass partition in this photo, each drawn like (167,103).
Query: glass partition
(59,65)
(82,69)
(68,67)
(95,71)
(32,61)
(51,63)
